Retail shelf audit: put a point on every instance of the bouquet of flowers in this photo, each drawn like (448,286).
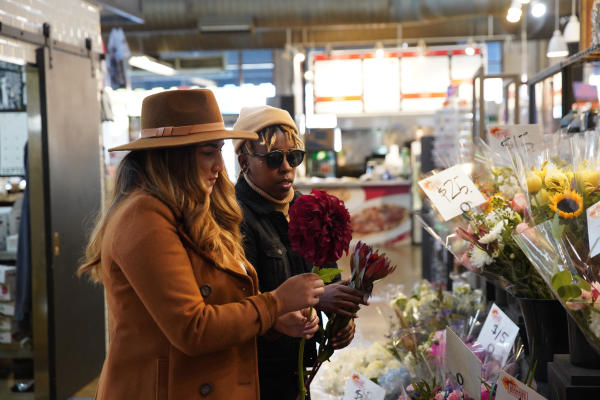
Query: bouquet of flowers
(320,231)
(374,361)
(421,319)
(564,201)
(481,238)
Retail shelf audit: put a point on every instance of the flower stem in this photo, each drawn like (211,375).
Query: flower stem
(301,363)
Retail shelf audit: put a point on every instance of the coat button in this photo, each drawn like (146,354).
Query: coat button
(205,389)
(205,290)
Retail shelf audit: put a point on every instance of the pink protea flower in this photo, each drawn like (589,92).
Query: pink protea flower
(522,227)
(368,266)
(518,203)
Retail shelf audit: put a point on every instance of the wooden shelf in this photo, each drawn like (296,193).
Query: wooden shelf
(15,350)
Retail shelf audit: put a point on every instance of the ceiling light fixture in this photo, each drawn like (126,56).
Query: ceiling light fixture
(514,12)
(225,24)
(557,47)
(538,9)
(151,65)
(572,32)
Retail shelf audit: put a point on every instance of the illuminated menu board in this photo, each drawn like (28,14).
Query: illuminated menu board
(355,82)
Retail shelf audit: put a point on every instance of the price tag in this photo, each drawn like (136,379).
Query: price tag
(507,136)
(462,365)
(452,192)
(360,388)
(593,225)
(509,388)
(498,334)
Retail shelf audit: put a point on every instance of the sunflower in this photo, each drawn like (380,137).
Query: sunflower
(568,204)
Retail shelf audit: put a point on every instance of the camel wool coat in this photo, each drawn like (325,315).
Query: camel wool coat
(181,327)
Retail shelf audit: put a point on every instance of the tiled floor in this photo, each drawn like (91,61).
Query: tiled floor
(372,322)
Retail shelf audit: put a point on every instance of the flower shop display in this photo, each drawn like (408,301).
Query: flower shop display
(320,231)
(481,237)
(411,362)
(562,243)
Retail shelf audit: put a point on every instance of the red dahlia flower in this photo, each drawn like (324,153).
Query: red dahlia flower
(320,229)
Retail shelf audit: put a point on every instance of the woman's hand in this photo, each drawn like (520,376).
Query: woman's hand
(341,299)
(298,292)
(344,336)
(298,323)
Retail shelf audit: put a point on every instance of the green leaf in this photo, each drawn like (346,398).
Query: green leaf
(325,355)
(557,228)
(563,278)
(582,284)
(569,292)
(327,274)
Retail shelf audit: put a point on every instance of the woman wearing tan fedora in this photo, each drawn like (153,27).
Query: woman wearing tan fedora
(183,300)
(264,191)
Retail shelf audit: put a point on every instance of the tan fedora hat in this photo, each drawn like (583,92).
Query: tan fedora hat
(181,118)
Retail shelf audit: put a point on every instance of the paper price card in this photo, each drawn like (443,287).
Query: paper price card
(452,192)
(498,334)
(360,388)
(507,136)
(593,223)
(509,388)
(462,365)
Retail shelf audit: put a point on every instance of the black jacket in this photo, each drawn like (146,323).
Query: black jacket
(267,247)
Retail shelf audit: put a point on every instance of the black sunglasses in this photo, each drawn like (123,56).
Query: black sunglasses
(274,158)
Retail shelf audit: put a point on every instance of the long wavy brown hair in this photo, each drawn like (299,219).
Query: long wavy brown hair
(172,176)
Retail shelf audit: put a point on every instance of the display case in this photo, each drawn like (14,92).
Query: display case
(551,90)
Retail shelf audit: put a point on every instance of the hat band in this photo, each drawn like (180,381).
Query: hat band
(182,130)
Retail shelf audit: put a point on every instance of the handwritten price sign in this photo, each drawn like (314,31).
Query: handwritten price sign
(507,136)
(498,334)
(360,388)
(452,192)
(462,365)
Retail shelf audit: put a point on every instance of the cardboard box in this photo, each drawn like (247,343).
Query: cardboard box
(8,274)
(5,337)
(12,242)
(6,324)
(4,221)
(7,308)
(7,292)
(14,219)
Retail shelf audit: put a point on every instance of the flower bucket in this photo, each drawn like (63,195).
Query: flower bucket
(547,334)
